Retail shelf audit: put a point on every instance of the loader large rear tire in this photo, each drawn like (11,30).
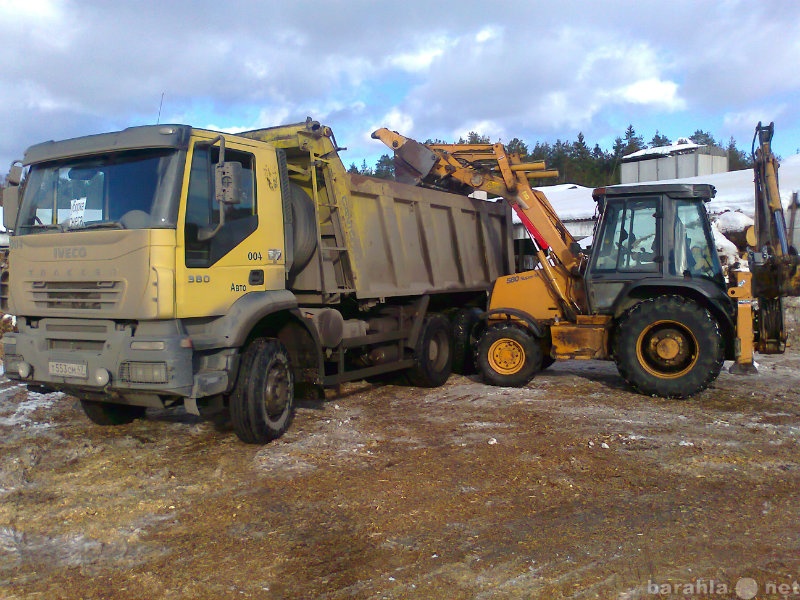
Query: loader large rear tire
(669,346)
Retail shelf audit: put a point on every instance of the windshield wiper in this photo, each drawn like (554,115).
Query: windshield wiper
(41,226)
(102,225)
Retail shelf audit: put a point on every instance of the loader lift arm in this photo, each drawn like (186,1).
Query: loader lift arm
(490,168)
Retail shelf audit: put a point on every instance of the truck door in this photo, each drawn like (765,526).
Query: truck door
(628,248)
(217,265)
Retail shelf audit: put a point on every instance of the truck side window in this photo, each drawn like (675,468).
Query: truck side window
(202,209)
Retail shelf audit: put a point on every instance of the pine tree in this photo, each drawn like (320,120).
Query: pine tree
(619,147)
(384,168)
(659,140)
(703,138)
(737,159)
(474,137)
(517,146)
(580,151)
(633,142)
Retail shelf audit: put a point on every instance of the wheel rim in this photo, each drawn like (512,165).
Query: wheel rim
(506,356)
(667,349)
(276,397)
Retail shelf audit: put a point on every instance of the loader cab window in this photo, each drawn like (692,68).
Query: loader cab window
(629,240)
(203,212)
(693,252)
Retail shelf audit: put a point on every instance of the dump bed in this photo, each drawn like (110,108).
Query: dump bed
(409,240)
(379,239)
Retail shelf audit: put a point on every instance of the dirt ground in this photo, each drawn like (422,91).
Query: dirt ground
(572,487)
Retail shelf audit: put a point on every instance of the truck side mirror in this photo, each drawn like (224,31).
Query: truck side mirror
(11,197)
(228,182)
(227,191)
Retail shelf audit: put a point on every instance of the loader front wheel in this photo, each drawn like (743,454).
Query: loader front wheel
(262,402)
(669,346)
(508,355)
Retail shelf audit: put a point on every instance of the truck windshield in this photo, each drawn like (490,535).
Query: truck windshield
(127,190)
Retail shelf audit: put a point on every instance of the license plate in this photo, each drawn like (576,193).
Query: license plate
(67,369)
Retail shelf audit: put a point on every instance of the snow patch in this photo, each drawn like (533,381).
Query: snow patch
(22,414)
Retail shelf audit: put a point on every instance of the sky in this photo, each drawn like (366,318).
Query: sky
(535,70)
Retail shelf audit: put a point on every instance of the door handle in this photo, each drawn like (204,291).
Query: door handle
(256,277)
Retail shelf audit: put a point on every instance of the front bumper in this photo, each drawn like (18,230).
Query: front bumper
(91,357)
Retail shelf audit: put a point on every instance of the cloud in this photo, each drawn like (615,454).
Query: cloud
(538,72)
(421,58)
(653,91)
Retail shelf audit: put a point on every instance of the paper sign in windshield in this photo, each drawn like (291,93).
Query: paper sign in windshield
(77,208)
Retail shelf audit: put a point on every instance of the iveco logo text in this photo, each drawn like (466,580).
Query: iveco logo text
(74,252)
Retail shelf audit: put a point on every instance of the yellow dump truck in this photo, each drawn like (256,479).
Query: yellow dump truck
(162,265)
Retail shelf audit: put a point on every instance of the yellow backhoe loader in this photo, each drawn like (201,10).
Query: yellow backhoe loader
(651,295)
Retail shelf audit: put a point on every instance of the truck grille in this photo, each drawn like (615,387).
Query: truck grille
(76,295)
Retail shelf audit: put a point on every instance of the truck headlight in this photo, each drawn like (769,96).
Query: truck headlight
(24,369)
(143,372)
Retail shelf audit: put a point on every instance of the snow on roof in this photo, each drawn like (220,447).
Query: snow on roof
(682,145)
(734,191)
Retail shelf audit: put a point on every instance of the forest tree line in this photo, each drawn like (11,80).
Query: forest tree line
(576,161)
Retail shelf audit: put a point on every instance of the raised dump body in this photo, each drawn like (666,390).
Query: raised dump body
(168,264)
(382,239)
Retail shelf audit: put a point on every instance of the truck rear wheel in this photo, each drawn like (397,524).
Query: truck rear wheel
(262,402)
(464,321)
(669,346)
(434,353)
(108,413)
(508,355)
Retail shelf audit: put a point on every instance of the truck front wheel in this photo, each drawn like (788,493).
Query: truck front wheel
(108,413)
(262,402)
(669,346)
(508,355)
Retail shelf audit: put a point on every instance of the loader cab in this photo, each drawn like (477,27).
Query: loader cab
(651,236)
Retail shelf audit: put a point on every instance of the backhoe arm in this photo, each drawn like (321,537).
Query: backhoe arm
(770,223)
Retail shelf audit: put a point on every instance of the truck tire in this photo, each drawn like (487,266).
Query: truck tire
(108,413)
(508,355)
(464,321)
(433,354)
(669,346)
(262,402)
